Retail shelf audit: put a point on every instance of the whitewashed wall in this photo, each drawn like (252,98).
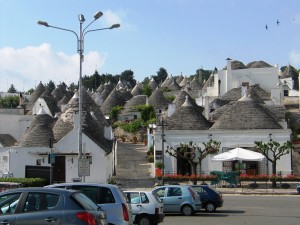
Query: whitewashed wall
(15,125)
(228,139)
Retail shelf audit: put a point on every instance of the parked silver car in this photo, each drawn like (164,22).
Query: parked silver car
(110,197)
(147,207)
(28,206)
(179,199)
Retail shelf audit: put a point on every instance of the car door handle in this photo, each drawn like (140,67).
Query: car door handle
(180,198)
(139,205)
(50,219)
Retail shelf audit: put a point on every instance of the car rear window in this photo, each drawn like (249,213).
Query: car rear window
(85,202)
(156,196)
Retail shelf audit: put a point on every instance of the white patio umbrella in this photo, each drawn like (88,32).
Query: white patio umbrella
(240,154)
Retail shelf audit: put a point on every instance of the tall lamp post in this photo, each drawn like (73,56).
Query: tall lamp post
(80,50)
(162,122)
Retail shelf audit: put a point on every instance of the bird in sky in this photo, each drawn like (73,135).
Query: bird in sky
(278,22)
(266,26)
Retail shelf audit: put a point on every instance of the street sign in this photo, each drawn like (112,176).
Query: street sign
(83,167)
(51,158)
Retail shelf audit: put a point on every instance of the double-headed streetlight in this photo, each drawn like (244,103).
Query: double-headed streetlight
(80,49)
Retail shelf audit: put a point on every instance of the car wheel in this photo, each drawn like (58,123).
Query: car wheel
(187,210)
(210,207)
(144,221)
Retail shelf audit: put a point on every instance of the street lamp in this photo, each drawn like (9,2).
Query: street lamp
(162,122)
(80,49)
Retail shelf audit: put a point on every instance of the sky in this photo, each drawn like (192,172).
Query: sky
(178,35)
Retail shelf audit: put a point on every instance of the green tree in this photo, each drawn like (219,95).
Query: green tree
(147,90)
(147,112)
(127,77)
(193,154)
(30,91)
(73,87)
(115,112)
(161,75)
(50,86)
(146,80)
(11,101)
(273,151)
(12,89)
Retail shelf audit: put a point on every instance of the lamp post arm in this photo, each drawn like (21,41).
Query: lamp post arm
(60,28)
(88,31)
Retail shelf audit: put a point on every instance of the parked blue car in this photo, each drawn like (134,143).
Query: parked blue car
(211,198)
(298,188)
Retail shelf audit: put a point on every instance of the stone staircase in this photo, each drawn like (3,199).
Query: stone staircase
(133,171)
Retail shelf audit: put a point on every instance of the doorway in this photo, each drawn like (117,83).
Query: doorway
(59,169)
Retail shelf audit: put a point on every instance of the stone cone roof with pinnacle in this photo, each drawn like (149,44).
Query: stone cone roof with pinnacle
(181,98)
(100,88)
(158,100)
(246,114)
(153,85)
(188,117)
(137,90)
(35,95)
(94,121)
(59,92)
(115,98)
(173,86)
(195,84)
(39,132)
(179,79)
(134,101)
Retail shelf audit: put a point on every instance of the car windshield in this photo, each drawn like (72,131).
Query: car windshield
(85,201)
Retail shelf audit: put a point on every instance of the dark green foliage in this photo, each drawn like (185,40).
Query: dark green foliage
(147,112)
(26,182)
(161,75)
(147,90)
(127,76)
(170,98)
(132,126)
(115,112)
(9,101)
(73,87)
(50,86)
(12,89)
(30,91)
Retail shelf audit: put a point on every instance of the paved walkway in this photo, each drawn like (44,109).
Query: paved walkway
(133,169)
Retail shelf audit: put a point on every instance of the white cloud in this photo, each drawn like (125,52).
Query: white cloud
(28,66)
(295,58)
(111,18)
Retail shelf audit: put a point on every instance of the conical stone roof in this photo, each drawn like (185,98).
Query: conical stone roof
(137,90)
(246,114)
(39,132)
(158,100)
(187,117)
(195,84)
(93,126)
(153,85)
(115,98)
(35,95)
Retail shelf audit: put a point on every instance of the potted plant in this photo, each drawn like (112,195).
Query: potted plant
(158,169)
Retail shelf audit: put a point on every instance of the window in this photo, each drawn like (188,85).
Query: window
(134,197)
(160,192)
(174,191)
(40,201)
(9,202)
(144,198)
